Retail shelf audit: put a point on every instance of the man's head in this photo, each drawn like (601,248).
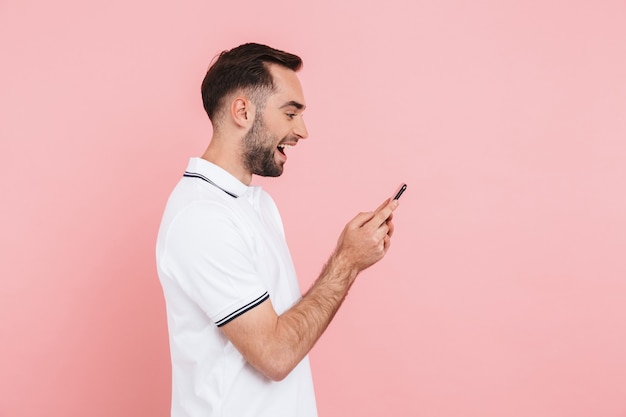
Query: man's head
(255,102)
(245,68)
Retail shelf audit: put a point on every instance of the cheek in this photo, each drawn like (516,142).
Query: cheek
(276,127)
(284,131)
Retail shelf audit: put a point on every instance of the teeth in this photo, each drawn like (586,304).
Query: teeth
(284,145)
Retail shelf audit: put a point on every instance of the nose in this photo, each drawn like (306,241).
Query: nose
(300,129)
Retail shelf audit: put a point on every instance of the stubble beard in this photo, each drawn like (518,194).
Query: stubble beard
(258,151)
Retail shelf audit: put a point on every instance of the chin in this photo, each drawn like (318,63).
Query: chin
(274,171)
(271,174)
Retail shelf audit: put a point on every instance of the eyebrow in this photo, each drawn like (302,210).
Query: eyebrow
(295,104)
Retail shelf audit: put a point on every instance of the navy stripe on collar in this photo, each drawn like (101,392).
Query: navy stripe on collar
(202,177)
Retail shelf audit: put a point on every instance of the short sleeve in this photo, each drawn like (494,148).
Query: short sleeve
(211,256)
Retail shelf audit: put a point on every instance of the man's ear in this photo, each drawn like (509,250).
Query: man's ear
(242,112)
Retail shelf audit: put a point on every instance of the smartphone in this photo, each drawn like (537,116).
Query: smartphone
(400,191)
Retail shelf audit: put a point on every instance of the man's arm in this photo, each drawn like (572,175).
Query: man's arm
(275,344)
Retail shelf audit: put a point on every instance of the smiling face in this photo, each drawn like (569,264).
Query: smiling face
(278,126)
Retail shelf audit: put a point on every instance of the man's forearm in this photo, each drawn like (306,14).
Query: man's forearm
(300,327)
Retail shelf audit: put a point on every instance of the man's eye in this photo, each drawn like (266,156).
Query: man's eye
(291,115)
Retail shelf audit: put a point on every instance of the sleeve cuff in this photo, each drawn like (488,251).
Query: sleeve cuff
(242,310)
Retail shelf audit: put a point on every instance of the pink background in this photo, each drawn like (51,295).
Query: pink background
(504,293)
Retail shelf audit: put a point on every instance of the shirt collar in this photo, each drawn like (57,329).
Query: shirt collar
(219,177)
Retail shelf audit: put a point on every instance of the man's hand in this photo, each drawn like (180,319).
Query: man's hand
(366,238)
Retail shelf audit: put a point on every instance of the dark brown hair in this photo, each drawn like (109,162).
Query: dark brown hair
(243,67)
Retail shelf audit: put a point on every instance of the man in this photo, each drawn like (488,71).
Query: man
(240,330)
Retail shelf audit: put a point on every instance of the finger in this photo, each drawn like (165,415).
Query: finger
(362,218)
(390,226)
(382,205)
(381,216)
(381,232)
(387,243)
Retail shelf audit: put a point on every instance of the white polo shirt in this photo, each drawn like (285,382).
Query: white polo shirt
(221,251)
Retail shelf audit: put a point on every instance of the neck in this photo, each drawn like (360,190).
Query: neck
(225,156)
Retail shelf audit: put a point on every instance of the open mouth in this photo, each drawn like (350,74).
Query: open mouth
(282,147)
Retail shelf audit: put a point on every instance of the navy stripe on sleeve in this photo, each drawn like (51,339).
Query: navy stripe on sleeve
(242,310)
